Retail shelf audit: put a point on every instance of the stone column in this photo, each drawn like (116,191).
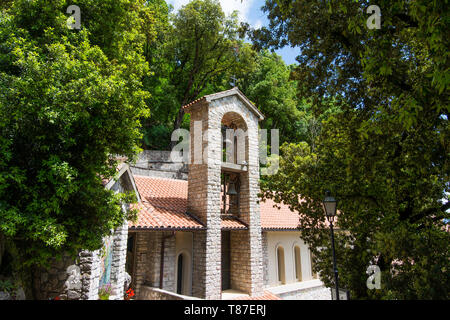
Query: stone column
(204,193)
(90,274)
(118,261)
(250,214)
(204,201)
(144,246)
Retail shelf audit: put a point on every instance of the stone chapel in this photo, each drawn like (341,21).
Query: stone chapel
(202,231)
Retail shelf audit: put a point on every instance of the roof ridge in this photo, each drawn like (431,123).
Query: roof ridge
(226,93)
(158,178)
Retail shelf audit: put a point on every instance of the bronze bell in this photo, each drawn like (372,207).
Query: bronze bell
(231,190)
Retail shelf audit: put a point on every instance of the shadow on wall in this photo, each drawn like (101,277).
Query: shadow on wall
(11,284)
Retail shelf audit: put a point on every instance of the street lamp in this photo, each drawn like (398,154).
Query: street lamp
(329,206)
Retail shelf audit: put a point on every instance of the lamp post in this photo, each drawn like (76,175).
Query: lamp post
(329,206)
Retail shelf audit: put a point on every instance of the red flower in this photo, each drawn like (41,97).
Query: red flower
(56,298)
(129,294)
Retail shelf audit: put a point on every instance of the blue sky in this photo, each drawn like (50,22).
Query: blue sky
(249,11)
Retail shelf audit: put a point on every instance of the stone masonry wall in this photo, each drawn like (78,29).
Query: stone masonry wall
(90,274)
(199,264)
(157,163)
(204,188)
(252,271)
(169,263)
(204,201)
(119,260)
(69,279)
(142,264)
(51,283)
(240,258)
(78,279)
(148,260)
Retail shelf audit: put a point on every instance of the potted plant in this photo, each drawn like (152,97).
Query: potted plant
(105,291)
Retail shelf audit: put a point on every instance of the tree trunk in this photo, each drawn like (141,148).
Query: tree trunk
(180,115)
(177,124)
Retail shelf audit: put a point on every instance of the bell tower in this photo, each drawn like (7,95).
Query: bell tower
(223,187)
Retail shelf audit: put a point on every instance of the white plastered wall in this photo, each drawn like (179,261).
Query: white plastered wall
(288,240)
(183,245)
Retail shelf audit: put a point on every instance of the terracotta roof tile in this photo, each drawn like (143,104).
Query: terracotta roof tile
(193,102)
(164,206)
(231,223)
(277,216)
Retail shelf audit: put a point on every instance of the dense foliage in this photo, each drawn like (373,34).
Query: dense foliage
(198,51)
(194,48)
(364,114)
(70,102)
(385,156)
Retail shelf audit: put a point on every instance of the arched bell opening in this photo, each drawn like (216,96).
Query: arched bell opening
(234,162)
(234,139)
(231,187)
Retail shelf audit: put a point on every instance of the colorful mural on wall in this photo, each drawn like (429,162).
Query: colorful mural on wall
(106,262)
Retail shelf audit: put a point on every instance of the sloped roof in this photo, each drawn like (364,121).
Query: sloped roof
(164,206)
(234,91)
(123,169)
(231,223)
(277,216)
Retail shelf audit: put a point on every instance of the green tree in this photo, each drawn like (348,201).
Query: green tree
(163,100)
(195,48)
(385,156)
(266,81)
(401,68)
(70,101)
(202,44)
(269,87)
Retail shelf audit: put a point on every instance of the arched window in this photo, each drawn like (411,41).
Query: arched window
(183,273)
(298,263)
(281,266)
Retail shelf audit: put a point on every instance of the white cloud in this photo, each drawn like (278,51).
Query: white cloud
(243,6)
(177,4)
(228,6)
(258,24)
